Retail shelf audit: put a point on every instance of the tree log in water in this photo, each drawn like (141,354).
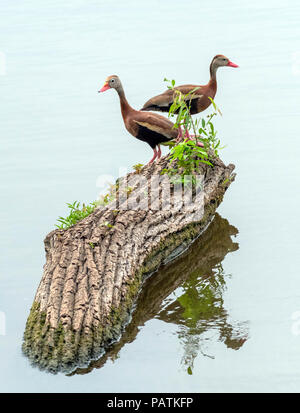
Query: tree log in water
(197,308)
(95,269)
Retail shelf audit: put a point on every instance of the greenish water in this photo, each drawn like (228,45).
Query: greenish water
(223,317)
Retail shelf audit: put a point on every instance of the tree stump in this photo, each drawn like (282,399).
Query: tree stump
(95,269)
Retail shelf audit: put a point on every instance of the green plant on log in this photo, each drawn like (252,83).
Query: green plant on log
(77,213)
(188,153)
(110,196)
(138,167)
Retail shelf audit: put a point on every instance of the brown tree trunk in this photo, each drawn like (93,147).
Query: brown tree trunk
(94,270)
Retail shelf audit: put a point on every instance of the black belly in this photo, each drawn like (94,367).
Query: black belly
(151,137)
(192,104)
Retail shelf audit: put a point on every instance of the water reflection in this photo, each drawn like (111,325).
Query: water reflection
(188,292)
(198,309)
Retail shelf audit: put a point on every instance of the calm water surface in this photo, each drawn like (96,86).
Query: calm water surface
(220,317)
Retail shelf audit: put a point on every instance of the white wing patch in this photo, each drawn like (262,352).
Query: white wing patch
(154,128)
(191,97)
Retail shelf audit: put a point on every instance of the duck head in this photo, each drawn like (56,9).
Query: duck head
(112,82)
(218,61)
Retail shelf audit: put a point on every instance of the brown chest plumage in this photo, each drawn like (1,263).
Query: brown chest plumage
(151,128)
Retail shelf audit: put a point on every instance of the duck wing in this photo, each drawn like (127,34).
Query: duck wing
(157,123)
(163,102)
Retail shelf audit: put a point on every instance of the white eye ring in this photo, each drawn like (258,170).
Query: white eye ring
(112,80)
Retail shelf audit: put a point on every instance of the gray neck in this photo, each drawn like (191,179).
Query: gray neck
(120,91)
(213,70)
(125,107)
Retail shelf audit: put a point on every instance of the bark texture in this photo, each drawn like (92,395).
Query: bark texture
(95,269)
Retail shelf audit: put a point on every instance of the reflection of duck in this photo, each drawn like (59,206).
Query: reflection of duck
(201,277)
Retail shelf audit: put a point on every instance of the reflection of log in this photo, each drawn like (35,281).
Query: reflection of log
(200,262)
(94,270)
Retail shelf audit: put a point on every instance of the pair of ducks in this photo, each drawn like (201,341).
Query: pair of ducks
(154,128)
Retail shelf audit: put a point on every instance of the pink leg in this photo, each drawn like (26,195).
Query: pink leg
(179,136)
(199,143)
(187,136)
(159,152)
(154,156)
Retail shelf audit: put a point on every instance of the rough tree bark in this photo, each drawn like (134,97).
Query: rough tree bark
(95,269)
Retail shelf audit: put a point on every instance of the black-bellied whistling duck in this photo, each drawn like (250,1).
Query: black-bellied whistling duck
(148,127)
(199,99)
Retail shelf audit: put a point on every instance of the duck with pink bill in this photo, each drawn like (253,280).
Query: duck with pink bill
(198,100)
(151,128)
